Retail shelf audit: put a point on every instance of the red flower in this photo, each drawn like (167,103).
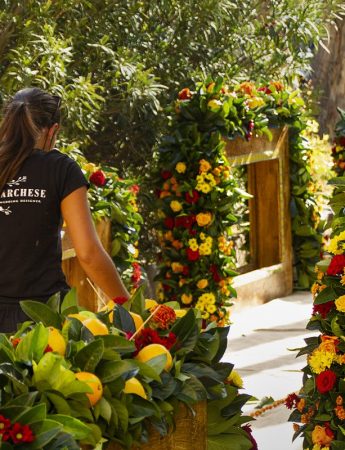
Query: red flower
(215,275)
(185,221)
(247,428)
(164,317)
(192,255)
(15,342)
(135,189)
(169,222)
(337,265)
(98,178)
(21,433)
(5,425)
(323,309)
(149,336)
(325,381)
(328,431)
(165,174)
(265,89)
(120,300)
(185,271)
(166,287)
(185,94)
(291,401)
(192,198)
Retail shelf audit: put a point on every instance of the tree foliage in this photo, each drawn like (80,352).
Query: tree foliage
(116,63)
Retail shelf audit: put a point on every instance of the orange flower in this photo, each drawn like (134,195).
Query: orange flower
(339,400)
(278,85)
(177,244)
(164,316)
(322,435)
(204,219)
(301,405)
(247,87)
(340,412)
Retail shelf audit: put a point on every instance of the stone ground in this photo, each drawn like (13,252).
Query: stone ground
(259,343)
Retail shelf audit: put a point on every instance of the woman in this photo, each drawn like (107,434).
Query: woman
(39,188)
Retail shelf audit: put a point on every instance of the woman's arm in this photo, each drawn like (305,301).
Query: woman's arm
(93,258)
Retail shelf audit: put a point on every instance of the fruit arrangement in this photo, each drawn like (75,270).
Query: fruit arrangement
(72,377)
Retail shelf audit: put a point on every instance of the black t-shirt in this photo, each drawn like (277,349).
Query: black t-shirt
(30,225)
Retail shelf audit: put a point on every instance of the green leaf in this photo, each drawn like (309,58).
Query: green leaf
(71,425)
(118,343)
(233,441)
(89,356)
(123,320)
(137,301)
(32,414)
(70,301)
(45,432)
(32,346)
(40,312)
(110,370)
(327,295)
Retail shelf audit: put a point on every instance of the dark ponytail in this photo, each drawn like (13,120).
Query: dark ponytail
(24,116)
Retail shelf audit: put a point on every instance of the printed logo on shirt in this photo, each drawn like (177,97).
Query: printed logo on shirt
(15,193)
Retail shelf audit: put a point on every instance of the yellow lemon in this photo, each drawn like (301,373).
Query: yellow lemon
(95,384)
(56,341)
(150,303)
(133,386)
(138,321)
(96,327)
(109,307)
(79,316)
(153,350)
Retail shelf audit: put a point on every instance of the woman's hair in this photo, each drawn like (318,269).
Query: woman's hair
(24,116)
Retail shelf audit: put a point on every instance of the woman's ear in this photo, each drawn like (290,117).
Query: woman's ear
(53,130)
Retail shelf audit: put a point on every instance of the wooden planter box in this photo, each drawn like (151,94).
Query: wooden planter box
(190,432)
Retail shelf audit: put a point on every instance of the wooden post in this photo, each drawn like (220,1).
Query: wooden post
(75,275)
(269,212)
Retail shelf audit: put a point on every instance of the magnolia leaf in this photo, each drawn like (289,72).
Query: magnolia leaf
(70,302)
(40,312)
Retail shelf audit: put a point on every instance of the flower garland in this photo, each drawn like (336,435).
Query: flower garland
(198,196)
(116,199)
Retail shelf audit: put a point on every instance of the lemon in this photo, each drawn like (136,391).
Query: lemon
(153,350)
(138,321)
(133,386)
(150,303)
(95,384)
(56,341)
(96,327)
(180,312)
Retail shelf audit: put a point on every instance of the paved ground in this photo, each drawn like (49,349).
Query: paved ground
(259,343)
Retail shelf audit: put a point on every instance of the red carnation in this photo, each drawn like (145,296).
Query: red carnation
(149,336)
(120,300)
(21,433)
(165,174)
(192,255)
(192,198)
(337,265)
(325,381)
(5,425)
(323,309)
(98,178)
(185,94)
(169,222)
(291,401)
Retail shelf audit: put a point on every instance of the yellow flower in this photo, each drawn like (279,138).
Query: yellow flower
(205,315)
(214,105)
(340,303)
(319,360)
(211,308)
(204,219)
(193,244)
(206,298)
(90,167)
(255,102)
(336,245)
(205,249)
(201,284)
(202,236)
(180,167)
(320,437)
(204,166)
(186,299)
(175,206)
(235,379)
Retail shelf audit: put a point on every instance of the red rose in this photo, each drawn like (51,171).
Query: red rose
(165,174)
(120,300)
(185,271)
(340,140)
(98,178)
(323,309)
(21,433)
(192,198)
(325,381)
(337,265)
(185,94)
(169,222)
(192,255)
(185,221)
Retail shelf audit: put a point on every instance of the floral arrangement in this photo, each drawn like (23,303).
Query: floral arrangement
(198,195)
(72,377)
(114,198)
(319,406)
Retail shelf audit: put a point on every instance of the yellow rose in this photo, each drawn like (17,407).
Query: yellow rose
(176,267)
(201,284)
(175,206)
(340,303)
(204,166)
(186,299)
(180,167)
(320,437)
(204,219)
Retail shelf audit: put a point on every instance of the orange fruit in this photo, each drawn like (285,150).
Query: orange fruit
(96,327)
(56,341)
(153,350)
(95,384)
(133,386)
(138,321)
(150,303)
